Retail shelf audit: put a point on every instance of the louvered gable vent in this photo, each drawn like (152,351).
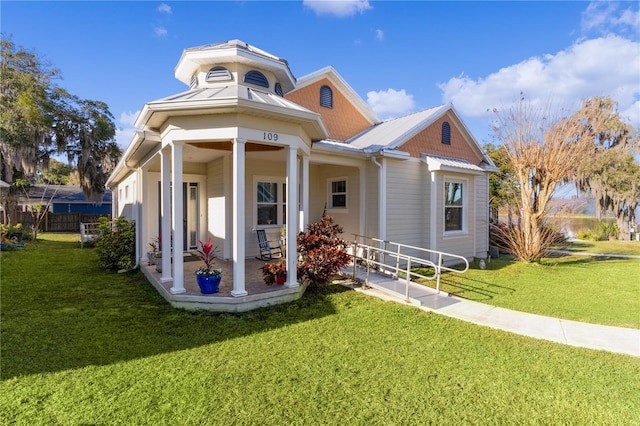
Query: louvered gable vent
(446,133)
(194,81)
(326,97)
(257,78)
(218,74)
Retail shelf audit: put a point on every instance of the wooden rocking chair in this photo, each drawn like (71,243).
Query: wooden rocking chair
(267,250)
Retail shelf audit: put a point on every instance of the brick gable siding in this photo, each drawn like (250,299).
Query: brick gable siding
(429,141)
(342,121)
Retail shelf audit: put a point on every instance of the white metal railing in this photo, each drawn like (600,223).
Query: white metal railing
(375,252)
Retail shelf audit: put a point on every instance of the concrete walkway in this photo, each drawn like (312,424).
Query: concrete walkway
(592,336)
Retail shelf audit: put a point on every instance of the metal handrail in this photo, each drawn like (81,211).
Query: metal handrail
(398,255)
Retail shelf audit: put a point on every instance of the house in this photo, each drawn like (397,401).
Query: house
(65,199)
(248,146)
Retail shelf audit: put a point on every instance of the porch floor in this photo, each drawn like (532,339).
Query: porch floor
(259,293)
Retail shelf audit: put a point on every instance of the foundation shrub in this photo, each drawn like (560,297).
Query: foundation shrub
(116,243)
(321,252)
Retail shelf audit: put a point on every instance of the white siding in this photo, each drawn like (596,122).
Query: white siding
(407,192)
(463,243)
(482,215)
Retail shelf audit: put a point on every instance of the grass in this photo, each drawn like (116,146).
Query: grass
(84,346)
(600,290)
(608,247)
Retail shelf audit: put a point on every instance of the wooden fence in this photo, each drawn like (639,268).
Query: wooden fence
(59,222)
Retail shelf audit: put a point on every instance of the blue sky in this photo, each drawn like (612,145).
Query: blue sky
(400,57)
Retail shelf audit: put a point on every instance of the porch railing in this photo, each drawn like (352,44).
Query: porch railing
(397,258)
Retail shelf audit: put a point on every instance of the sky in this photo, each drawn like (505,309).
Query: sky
(400,57)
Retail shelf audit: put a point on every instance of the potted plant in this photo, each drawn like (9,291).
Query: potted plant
(274,272)
(207,276)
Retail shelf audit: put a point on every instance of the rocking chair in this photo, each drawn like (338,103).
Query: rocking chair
(267,250)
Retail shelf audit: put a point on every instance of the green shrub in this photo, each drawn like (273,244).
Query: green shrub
(604,230)
(116,243)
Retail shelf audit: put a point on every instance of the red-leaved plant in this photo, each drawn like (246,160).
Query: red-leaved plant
(321,252)
(206,253)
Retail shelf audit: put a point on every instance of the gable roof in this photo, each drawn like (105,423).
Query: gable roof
(392,134)
(347,91)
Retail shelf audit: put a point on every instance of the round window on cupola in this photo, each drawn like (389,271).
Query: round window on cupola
(218,74)
(256,78)
(278,90)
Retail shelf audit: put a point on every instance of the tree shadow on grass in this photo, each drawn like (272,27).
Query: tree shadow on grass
(473,289)
(102,318)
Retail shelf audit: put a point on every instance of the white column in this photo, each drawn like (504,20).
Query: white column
(304,188)
(177,222)
(165,226)
(292,217)
(238,218)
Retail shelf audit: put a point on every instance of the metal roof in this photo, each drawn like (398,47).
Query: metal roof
(393,133)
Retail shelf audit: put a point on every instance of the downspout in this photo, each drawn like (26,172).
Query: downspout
(382,199)
(136,218)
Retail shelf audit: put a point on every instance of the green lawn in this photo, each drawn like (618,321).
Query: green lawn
(601,290)
(608,247)
(83,346)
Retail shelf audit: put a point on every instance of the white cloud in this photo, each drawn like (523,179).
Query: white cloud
(160,32)
(379,34)
(164,8)
(390,103)
(127,118)
(338,8)
(125,130)
(605,16)
(597,67)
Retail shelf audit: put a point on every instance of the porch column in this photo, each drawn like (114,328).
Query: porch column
(238,218)
(165,226)
(304,189)
(292,217)
(177,222)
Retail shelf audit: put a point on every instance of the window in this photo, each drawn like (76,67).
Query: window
(326,97)
(218,74)
(257,78)
(271,203)
(446,133)
(453,206)
(338,193)
(278,90)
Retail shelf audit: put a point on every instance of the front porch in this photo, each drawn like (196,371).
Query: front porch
(259,294)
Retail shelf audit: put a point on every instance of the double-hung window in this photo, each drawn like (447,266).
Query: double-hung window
(271,202)
(453,206)
(338,193)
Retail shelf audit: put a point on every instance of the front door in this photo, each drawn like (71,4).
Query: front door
(190,214)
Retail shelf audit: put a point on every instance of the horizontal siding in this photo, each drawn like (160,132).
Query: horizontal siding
(406,195)
(482,215)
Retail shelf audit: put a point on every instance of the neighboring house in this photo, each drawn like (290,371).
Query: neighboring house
(248,146)
(65,199)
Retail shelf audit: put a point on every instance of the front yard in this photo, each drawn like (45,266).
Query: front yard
(84,346)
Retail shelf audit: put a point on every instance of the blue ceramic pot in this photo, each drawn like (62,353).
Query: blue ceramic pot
(208,283)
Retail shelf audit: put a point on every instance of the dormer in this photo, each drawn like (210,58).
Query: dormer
(234,63)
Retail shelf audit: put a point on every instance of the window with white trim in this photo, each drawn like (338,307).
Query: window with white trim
(338,193)
(453,206)
(271,202)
